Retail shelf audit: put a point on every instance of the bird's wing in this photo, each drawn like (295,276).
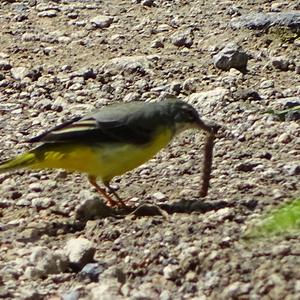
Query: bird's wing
(114,125)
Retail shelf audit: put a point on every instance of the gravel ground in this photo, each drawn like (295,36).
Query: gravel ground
(234,61)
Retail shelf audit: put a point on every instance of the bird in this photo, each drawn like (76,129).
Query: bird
(110,141)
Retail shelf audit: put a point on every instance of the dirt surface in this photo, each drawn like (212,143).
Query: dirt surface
(58,60)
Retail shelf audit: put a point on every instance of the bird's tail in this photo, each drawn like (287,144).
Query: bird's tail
(19,162)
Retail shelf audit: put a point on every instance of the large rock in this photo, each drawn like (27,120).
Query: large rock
(266,20)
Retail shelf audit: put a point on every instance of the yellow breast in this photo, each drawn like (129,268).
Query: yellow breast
(103,160)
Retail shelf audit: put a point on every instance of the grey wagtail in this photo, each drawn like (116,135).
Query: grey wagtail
(111,141)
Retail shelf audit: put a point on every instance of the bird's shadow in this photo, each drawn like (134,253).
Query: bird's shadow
(96,209)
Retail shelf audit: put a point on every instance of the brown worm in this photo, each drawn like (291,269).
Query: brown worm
(207,166)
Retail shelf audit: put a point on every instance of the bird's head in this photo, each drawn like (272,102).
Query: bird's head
(185,116)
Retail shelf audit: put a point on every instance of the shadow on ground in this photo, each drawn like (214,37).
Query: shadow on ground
(96,209)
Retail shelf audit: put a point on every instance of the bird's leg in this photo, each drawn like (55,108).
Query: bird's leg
(92,180)
(112,191)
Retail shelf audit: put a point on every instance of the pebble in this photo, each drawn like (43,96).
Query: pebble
(266,84)
(35,187)
(5,64)
(280,63)
(19,73)
(132,97)
(235,290)
(231,56)
(93,208)
(101,21)
(92,271)
(207,101)
(30,294)
(130,64)
(171,272)
(51,13)
(292,169)
(157,44)
(106,289)
(159,196)
(46,262)
(281,250)
(182,39)
(42,202)
(80,252)
(147,2)
(165,295)
(246,166)
(72,295)
(284,138)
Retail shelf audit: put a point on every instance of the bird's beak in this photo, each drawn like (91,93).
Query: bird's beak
(209,127)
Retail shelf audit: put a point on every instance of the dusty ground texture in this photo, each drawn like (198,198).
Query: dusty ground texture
(57,61)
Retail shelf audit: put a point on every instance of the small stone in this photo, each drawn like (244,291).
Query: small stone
(23,202)
(35,187)
(246,166)
(292,169)
(72,295)
(223,214)
(175,88)
(159,196)
(190,84)
(86,73)
(42,202)
(30,294)
(47,262)
(165,295)
(281,250)
(102,21)
(106,289)
(236,289)
(130,64)
(147,2)
(284,138)
(80,252)
(292,115)
(5,64)
(297,286)
(289,101)
(231,56)
(247,94)
(92,271)
(191,276)
(28,235)
(19,73)
(32,273)
(93,208)
(207,101)
(266,84)
(132,97)
(182,39)
(157,44)
(51,13)
(280,63)
(171,272)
